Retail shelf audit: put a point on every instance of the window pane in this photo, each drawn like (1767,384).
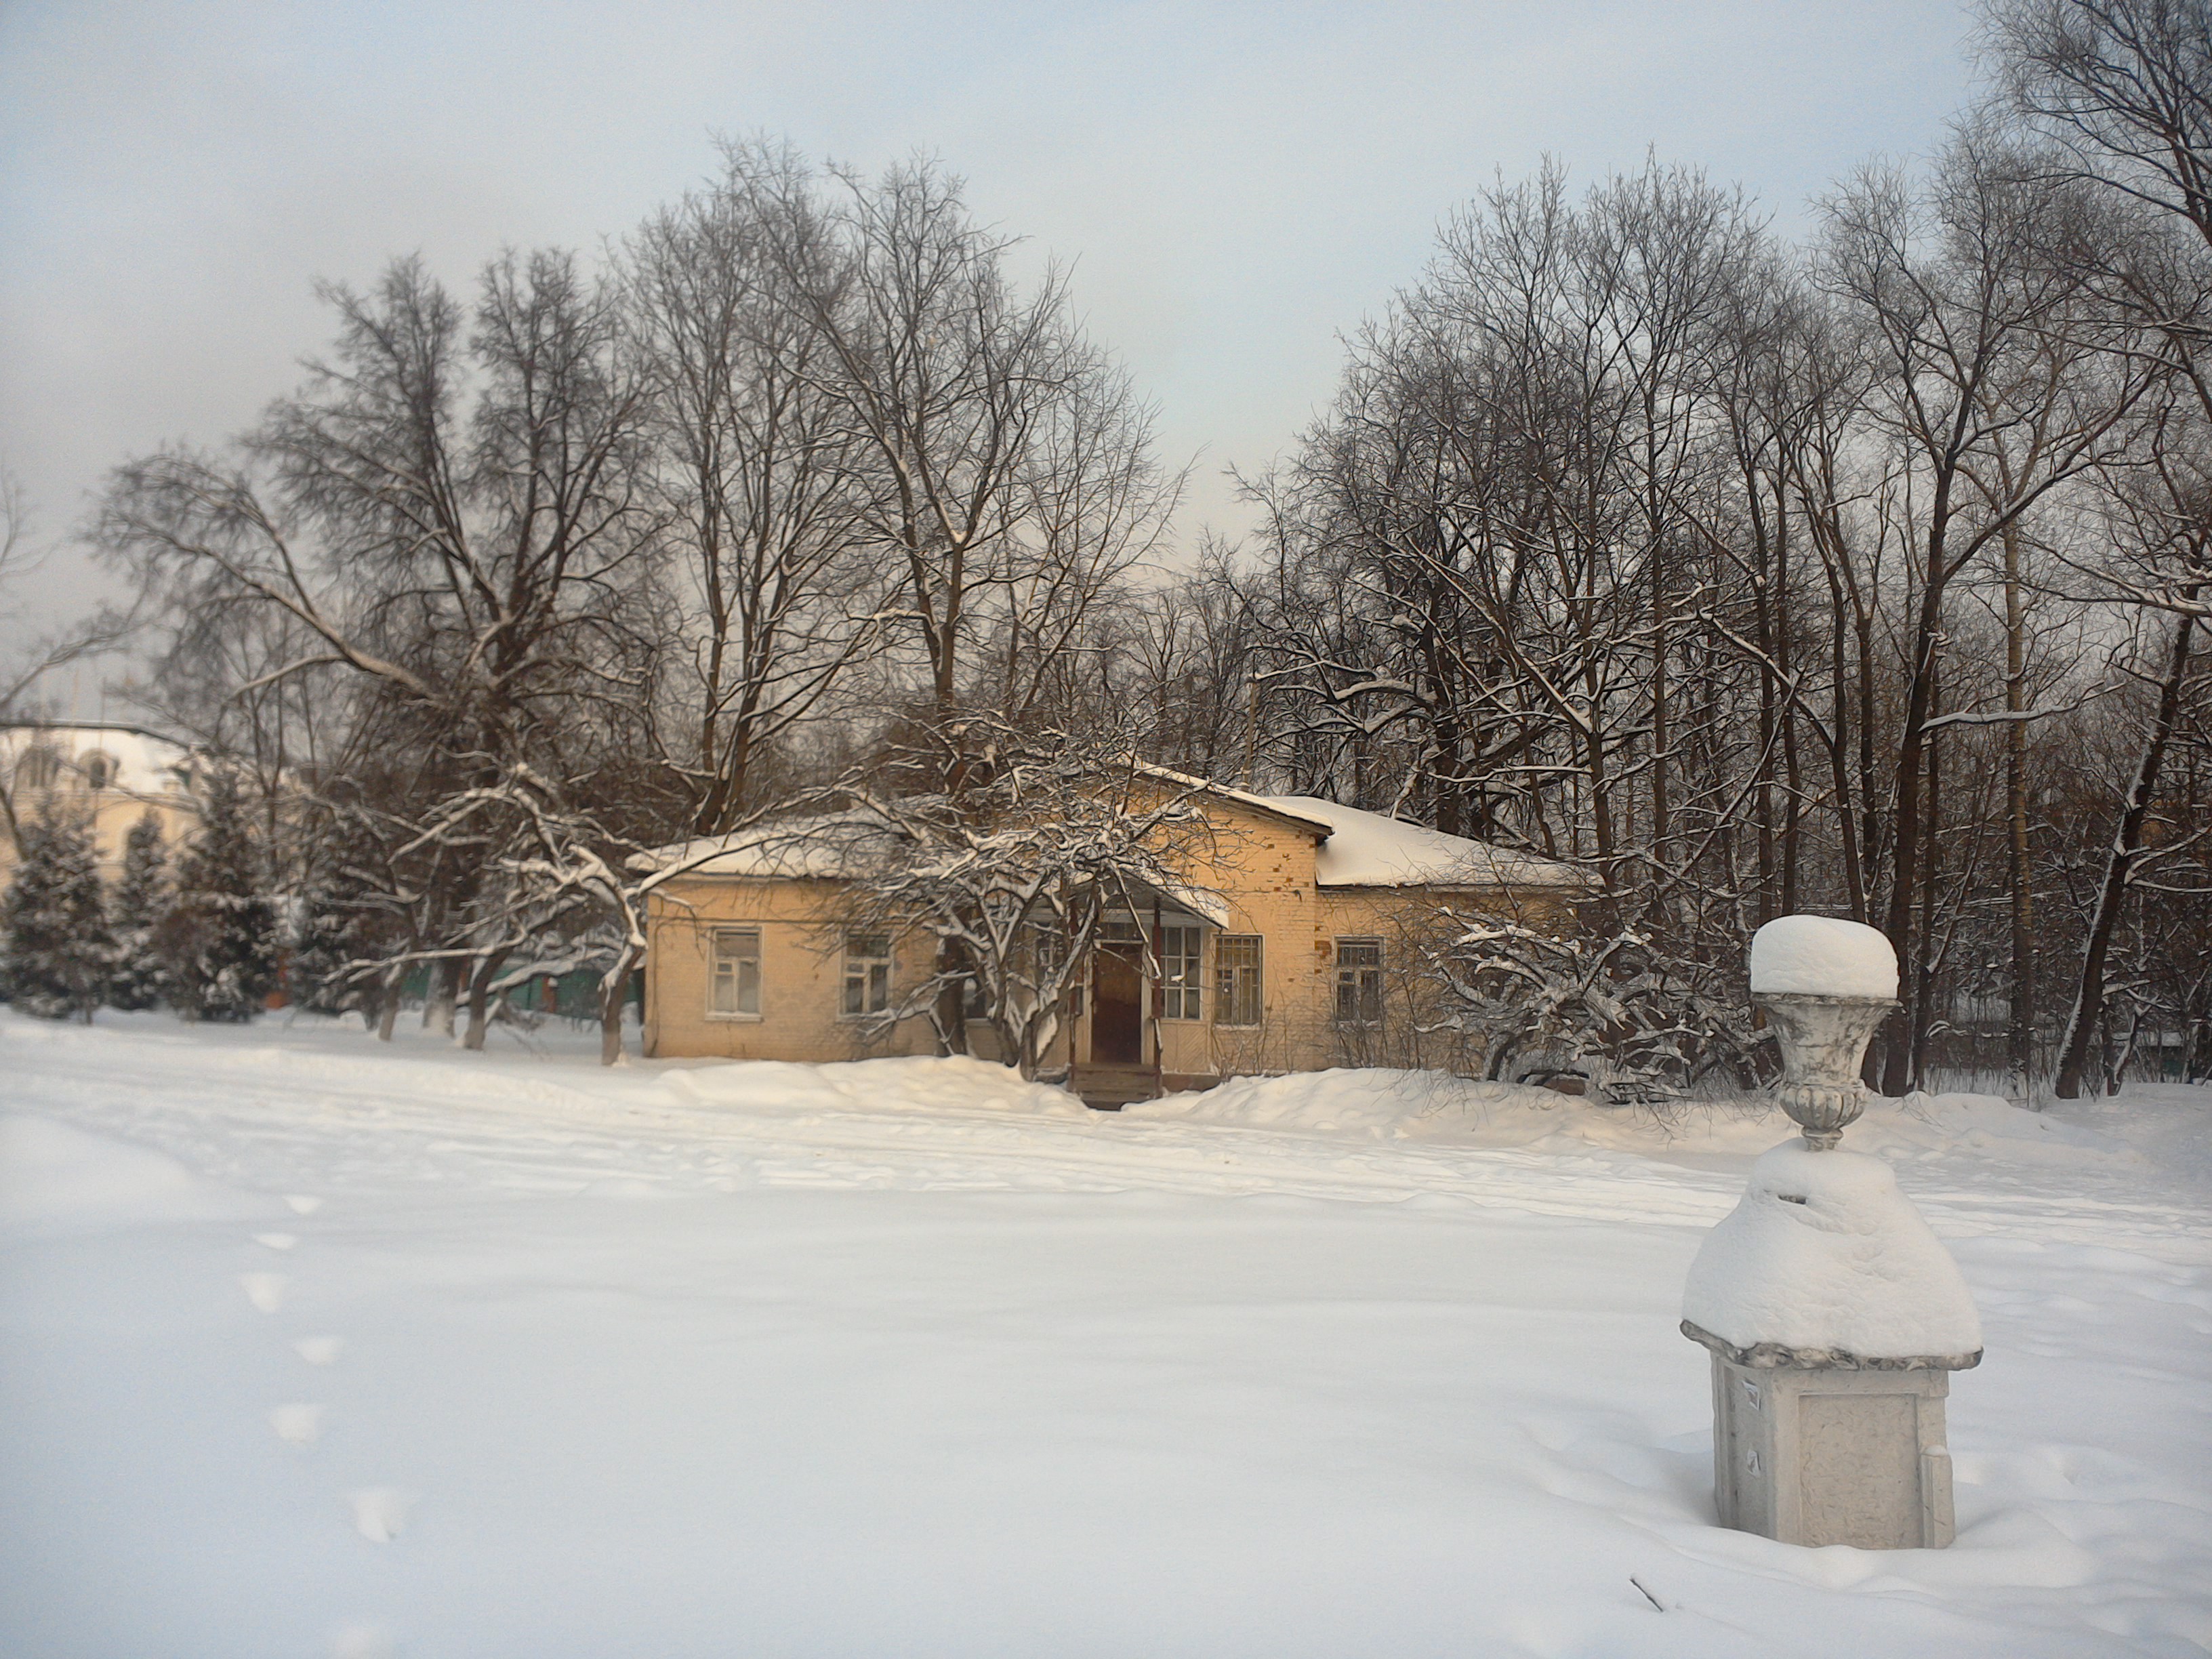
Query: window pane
(1179,973)
(734,986)
(867,974)
(1359,981)
(1237,979)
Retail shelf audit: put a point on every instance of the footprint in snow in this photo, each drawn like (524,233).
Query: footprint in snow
(379,1513)
(302,1203)
(277,1241)
(264,1290)
(319,1350)
(297,1426)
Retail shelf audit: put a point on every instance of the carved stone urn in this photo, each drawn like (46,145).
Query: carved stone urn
(1824,1042)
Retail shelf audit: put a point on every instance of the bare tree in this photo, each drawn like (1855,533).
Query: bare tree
(1013,871)
(1995,388)
(772,596)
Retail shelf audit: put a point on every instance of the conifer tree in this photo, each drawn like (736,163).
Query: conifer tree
(55,932)
(218,942)
(135,912)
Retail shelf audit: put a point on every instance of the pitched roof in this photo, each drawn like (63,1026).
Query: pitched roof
(1366,849)
(1355,848)
(823,846)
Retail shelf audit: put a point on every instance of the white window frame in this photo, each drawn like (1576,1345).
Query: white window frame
(715,958)
(1182,972)
(871,972)
(1228,979)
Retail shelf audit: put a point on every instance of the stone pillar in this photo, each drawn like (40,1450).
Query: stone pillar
(1833,1316)
(1812,1452)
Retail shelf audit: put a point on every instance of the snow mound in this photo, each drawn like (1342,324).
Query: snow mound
(1823,1252)
(52,1175)
(1369,1103)
(912,1083)
(1924,1125)
(1822,956)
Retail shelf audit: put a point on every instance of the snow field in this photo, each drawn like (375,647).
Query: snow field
(907,1358)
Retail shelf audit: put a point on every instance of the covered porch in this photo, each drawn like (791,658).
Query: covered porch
(1142,1027)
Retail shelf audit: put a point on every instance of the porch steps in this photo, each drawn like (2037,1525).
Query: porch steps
(1110,1088)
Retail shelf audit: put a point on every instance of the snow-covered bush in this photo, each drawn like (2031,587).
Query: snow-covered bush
(1520,997)
(57,948)
(135,911)
(218,942)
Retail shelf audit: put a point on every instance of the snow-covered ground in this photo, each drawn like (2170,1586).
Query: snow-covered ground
(309,1347)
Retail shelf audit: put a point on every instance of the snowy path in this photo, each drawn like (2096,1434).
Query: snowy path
(312,1347)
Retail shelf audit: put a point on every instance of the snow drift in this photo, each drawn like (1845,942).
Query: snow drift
(1824,1254)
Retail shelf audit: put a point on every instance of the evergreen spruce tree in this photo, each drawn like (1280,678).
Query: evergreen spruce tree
(218,942)
(135,911)
(339,922)
(57,948)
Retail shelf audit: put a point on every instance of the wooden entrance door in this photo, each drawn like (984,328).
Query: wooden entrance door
(1117,1022)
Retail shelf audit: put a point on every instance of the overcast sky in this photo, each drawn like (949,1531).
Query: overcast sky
(1236,184)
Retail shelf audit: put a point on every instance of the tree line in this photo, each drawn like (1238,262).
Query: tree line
(1860,573)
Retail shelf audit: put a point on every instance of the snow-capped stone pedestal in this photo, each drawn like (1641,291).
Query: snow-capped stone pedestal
(1834,1317)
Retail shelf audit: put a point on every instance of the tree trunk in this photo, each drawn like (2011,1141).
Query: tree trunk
(487,969)
(614,987)
(388,1016)
(445,993)
(2019,1028)
(1923,976)
(2127,846)
(1908,830)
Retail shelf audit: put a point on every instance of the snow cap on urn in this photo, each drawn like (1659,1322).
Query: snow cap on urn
(1822,956)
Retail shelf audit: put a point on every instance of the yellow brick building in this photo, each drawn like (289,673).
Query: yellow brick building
(110,775)
(1288,951)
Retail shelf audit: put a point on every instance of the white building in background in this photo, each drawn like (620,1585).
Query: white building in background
(112,774)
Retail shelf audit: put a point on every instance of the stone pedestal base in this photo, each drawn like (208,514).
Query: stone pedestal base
(1830,1455)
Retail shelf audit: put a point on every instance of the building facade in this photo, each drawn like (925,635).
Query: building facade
(1290,950)
(109,775)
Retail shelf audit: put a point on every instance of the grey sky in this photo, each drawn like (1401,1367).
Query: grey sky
(1237,182)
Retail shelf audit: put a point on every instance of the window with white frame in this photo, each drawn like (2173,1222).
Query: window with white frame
(1358,981)
(867,974)
(1236,961)
(1182,990)
(734,988)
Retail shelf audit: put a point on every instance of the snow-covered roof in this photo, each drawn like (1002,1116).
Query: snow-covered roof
(1366,849)
(1356,849)
(835,847)
(1281,806)
(823,846)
